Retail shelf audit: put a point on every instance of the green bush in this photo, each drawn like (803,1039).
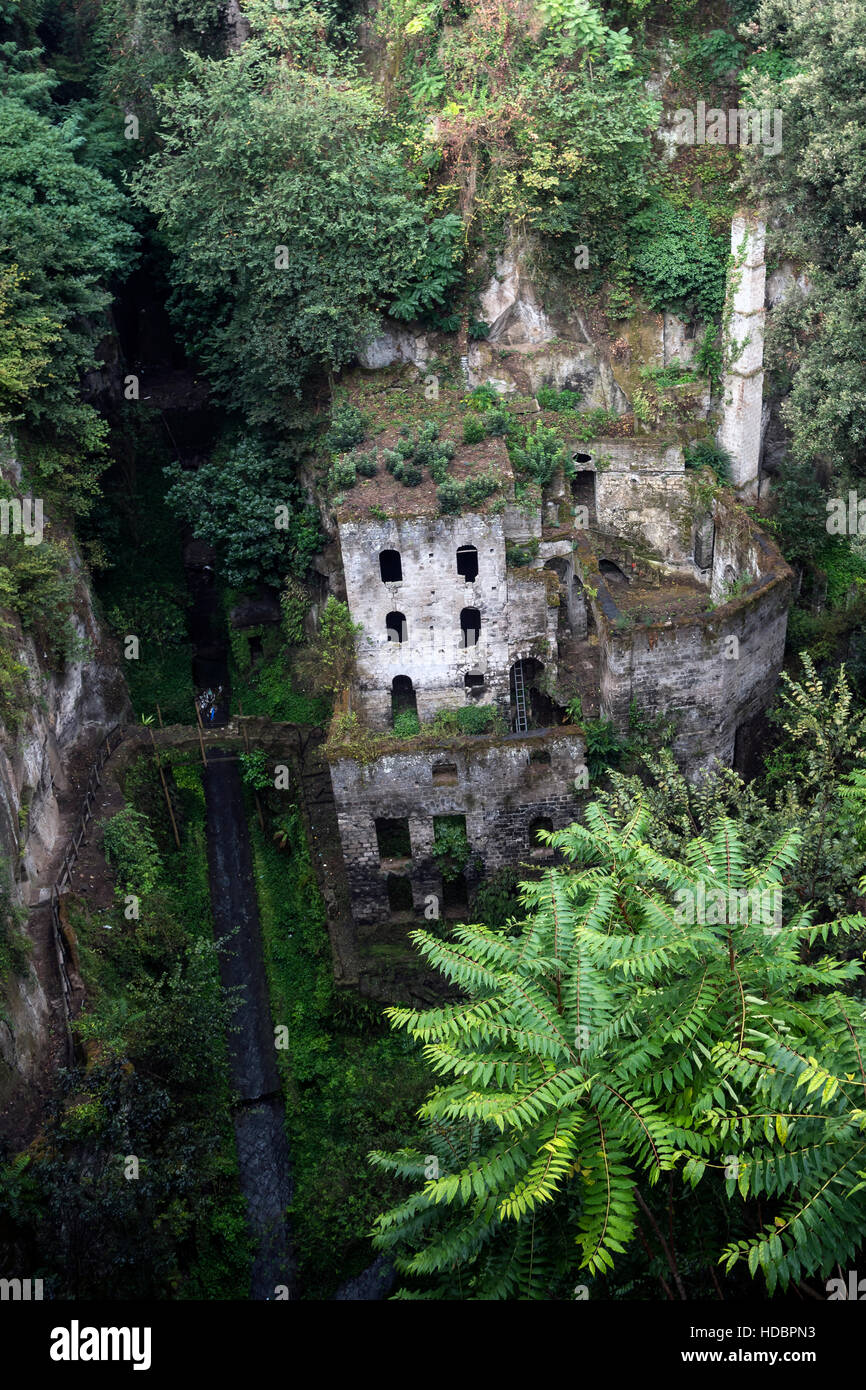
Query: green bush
(450,846)
(347,429)
(473,430)
(406,724)
(294,603)
(469,719)
(706,453)
(497,420)
(255,771)
(497,898)
(366,465)
(541,455)
(678,261)
(342,474)
(409,474)
(132,852)
(551,399)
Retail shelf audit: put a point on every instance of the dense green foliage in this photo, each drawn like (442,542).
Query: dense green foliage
(814,192)
(608,1046)
(244,502)
(290,222)
(348,1080)
(156,1088)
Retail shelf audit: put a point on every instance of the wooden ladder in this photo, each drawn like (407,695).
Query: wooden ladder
(522,724)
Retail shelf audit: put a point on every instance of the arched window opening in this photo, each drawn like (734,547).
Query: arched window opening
(467,562)
(395,626)
(470,627)
(403,697)
(612,572)
(390,566)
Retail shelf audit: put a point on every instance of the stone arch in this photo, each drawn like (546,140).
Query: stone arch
(612,572)
(467,562)
(403,696)
(390,566)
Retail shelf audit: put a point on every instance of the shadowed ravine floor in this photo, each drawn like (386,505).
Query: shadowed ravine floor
(263,1151)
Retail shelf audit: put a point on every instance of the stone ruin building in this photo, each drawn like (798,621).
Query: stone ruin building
(630,584)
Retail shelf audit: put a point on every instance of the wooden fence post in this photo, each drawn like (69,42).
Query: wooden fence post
(165,790)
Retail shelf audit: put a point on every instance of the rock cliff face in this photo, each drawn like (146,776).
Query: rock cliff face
(68,713)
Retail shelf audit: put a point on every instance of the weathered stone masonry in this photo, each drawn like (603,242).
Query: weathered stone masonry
(502,786)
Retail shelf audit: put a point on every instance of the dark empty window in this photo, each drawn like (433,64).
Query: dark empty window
(583,487)
(541,758)
(392,838)
(467,562)
(395,626)
(473,683)
(390,566)
(403,696)
(582,458)
(541,823)
(470,626)
(445,774)
(399,894)
(455,898)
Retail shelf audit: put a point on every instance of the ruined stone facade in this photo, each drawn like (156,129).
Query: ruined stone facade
(448,608)
(504,788)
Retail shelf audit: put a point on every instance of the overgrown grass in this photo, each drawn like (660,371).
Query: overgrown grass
(351,1084)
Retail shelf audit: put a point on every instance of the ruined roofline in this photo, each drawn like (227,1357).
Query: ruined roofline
(775,574)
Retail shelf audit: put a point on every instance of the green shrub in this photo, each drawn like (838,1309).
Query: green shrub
(604,747)
(497,420)
(469,719)
(706,453)
(678,261)
(347,429)
(551,399)
(294,602)
(409,474)
(406,724)
(453,496)
(480,719)
(541,455)
(342,474)
(473,430)
(366,465)
(497,898)
(132,852)
(450,846)
(254,770)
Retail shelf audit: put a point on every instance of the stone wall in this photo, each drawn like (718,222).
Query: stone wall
(498,785)
(517,615)
(715,672)
(71,711)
